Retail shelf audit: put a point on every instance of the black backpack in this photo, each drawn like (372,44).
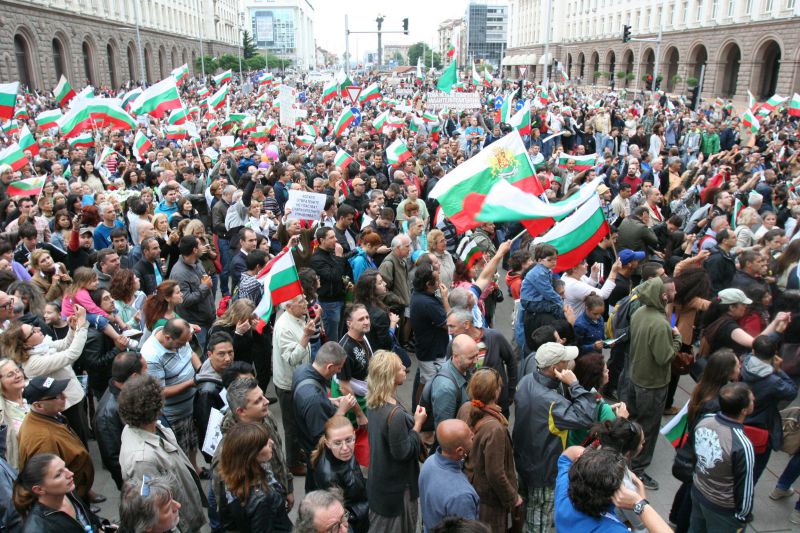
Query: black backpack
(426,398)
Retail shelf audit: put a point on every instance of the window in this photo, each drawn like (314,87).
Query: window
(685,12)
(714,10)
(789,4)
(700,7)
(767,6)
(748,7)
(731,8)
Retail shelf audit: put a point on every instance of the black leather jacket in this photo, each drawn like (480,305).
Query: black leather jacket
(43,519)
(265,511)
(98,354)
(346,475)
(108,432)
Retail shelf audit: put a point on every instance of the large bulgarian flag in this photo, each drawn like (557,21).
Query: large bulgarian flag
(771,104)
(107,112)
(225,77)
(521,120)
(48,119)
(158,99)
(461,192)
(577,235)
(676,429)
(330,91)
(141,145)
(342,159)
(27,141)
(370,93)
(750,122)
(13,156)
(281,283)
(794,106)
(8,99)
(582,162)
(397,153)
(75,121)
(63,92)
(345,119)
(27,187)
(217,100)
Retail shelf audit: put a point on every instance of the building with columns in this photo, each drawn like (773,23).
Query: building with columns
(737,45)
(95,42)
(285,28)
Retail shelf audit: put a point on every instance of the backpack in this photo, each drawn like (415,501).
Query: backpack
(426,398)
(619,317)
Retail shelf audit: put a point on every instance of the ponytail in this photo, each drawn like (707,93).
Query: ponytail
(33,473)
(334,422)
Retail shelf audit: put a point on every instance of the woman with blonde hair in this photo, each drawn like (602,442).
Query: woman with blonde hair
(249,345)
(490,465)
(437,245)
(13,406)
(394,448)
(334,465)
(746,220)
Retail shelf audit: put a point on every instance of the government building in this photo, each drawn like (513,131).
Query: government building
(730,46)
(94,42)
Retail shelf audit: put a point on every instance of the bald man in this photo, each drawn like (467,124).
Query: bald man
(449,387)
(444,489)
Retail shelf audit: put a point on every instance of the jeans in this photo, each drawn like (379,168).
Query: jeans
(213,514)
(790,473)
(704,520)
(332,319)
(761,464)
(646,408)
(98,321)
(225,257)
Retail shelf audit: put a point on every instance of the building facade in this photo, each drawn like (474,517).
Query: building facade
(452,31)
(391,52)
(733,45)
(285,28)
(94,42)
(486,24)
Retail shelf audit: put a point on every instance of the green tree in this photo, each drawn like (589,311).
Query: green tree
(437,60)
(256,62)
(248,45)
(229,61)
(275,62)
(209,63)
(398,58)
(417,50)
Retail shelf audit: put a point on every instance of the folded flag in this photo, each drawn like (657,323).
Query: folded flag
(27,142)
(141,145)
(345,119)
(582,162)
(342,159)
(750,122)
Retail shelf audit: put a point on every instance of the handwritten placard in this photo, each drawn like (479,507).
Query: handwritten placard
(305,205)
(454,101)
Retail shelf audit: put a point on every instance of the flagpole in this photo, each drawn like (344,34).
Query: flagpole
(520,234)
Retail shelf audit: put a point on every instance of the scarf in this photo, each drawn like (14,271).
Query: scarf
(43,347)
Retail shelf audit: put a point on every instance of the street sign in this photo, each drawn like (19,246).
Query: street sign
(302,97)
(523,71)
(357,113)
(519,104)
(353,92)
(498,102)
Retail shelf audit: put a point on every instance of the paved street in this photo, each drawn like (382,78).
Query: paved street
(770,516)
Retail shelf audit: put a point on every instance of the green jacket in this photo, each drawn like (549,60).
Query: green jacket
(653,343)
(709,144)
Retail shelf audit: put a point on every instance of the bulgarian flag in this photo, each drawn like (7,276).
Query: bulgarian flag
(750,122)
(202,92)
(310,129)
(488,79)
(129,97)
(469,252)
(448,78)
(343,80)
(11,127)
(429,117)
(521,120)
(272,126)
(27,141)
(8,99)
(577,235)
(141,145)
(248,124)
(107,152)
(304,140)
(265,79)
(342,159)
(751,101)
(345,119)
(737,208)
(394,122)
(76,120)
(63,92)
(225,77)
(180,73)
(175,132)
(544,97)
(505,109)
(462,191)
(27,187)
(48,119)
(563,75)
(397,153)
(21,114)
(281,283)
(157,99)
(84,140)
(582,162)
(770,105)
(451,49)
(260,135)
(237,117)
(330,91)
(177,117)
(107,112)
(380,121)
(676,429)
(217,100)
(369,94)
(794,106)
(476,80)
(14,157)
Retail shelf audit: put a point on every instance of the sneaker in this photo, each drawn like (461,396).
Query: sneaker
(794,518)
(779,493)
(133,344)
(671,411)
(648,482)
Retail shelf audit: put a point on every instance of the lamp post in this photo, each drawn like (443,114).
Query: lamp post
(139,44)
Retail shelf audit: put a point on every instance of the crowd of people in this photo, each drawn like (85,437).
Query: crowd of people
(130,293)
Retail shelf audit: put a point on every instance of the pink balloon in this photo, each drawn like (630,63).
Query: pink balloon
(271,152)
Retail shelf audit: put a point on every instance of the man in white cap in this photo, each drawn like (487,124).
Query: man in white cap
(551,401)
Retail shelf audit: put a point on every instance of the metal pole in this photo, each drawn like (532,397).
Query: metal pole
(379,20)
(638,68)
(241,37)
(346,46)
(700,86)
(202,47)
(139,44)
(549,8)
(658,46)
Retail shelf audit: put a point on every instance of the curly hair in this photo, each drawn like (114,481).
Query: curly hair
(589,370)
(140,401)
(593,480)
(236,312)
(123,285)
(12,344)
(382,373)
(239,468)
(691,283)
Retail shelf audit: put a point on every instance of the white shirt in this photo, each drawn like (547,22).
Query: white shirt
(575,290)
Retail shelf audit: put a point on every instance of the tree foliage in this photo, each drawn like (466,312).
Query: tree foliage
(420,49)
(248,45)
(256,62)
(229,62)
(209,63)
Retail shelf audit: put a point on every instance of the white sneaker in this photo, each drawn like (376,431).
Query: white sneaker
(794,518)
(133,344)
(779,493)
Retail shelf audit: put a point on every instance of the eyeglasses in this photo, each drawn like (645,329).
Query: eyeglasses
(34,329)
(12,373)
(7,305)
(349,441)
(343,521)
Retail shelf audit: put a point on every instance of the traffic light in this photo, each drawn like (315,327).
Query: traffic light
(694,93)
(626,33)
(405,26)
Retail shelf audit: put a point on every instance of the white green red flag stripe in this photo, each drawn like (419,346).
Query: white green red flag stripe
(104,155)
(397,153)
(582,162)
(330,91)
(469,252)
(563,75)
(430,117)
(577,235)
(225,77)
(462,191)
(21,114)
(85,94)
(476,79)
(129,97)
(451,49)
(48,119)
(84,140)
(175,133)
(676,429)
(750,122)
(11,127)
(180,73)
(304,140)
(177,117)
(260,135)
(772,103)
(141,145)
(343,80)
(202,92)
(521,120)
(27,187)
(370,93)
(281,283)
(380,121)
(8,99)
(63,92)
(310,129)
(47,142)
(266,78)
(272,126)
(217,100)
(248,124)
(157,99)
(506,110)
(13,156)
(107,112)
(76,120)
(737,208)
(342,159)
(27,141)
(345,119)
(237,117)
(794,106)
(543,96)
(487,77)
(394,122)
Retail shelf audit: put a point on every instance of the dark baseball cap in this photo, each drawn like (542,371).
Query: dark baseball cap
(42,387)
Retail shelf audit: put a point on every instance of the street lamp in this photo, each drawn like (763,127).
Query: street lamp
(139,44)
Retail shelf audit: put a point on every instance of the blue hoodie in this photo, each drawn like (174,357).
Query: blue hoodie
(360,262)
(163,207)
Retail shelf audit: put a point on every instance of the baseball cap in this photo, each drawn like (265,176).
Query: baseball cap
(551,353)
(627,256)
(733,296)
(86,229)
(42,387)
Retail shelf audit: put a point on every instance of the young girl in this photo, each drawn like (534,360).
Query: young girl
(589,331)
(52,316)
(85,280)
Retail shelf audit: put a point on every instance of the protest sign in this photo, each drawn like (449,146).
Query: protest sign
(453,101)
(305,205)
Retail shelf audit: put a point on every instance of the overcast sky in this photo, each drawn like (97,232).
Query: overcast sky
(423,16)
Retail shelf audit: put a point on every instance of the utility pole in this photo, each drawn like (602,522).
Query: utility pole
(139,45)
(658,47)
(202,51)
(379,20)
(241,44)
(346,46)
(549,9)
